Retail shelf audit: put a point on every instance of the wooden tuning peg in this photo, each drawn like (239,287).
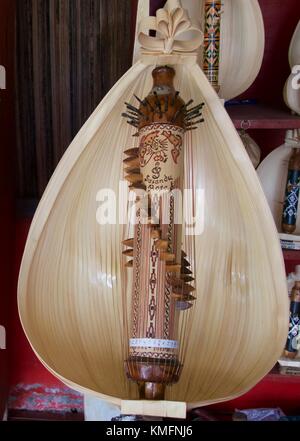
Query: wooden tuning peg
(173,268)
(132,161)
(128,253)
(183,297)
(155,234)
(185,262)
(137,186)
(161,244)
(167,257)
(128,242)
(134,178)
(132,152)
(185,270)
(186,278)
(183,289)
(131,170)
(183,306)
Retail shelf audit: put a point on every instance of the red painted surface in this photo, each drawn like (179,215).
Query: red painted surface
(7,159)
(291,259)
(273,391)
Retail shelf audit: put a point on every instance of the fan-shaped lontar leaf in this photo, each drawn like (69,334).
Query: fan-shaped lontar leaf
(74,292)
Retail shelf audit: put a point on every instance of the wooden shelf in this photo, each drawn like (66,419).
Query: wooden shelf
(256,116)
(275,375)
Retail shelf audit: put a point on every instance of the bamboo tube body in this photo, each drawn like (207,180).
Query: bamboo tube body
(153,345)
(211,54)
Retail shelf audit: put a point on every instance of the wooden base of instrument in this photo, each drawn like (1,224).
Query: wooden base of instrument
(152,376)
(152,391)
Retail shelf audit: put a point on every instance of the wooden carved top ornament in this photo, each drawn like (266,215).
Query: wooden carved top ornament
(170,23)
